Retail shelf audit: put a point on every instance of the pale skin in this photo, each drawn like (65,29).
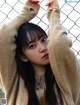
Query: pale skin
(37,52)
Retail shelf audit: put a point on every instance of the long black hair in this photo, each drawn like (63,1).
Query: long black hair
(26,70)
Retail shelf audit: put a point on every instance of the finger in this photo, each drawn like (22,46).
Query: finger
(35,1)
(49,3)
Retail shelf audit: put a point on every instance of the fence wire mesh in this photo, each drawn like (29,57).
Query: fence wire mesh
(70,17)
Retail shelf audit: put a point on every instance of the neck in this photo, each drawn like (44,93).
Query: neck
(39,70)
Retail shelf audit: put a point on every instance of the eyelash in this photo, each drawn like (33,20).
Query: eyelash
(32,45)
(44,39)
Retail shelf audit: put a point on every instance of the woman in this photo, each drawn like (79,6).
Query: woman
(33,64)
(26,57)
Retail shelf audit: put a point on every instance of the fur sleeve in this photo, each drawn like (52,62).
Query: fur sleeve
(8,32)
(63,61)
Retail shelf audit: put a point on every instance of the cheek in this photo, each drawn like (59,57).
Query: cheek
(31,55)
(33,58)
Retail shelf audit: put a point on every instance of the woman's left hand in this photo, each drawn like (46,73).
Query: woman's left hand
(49,3)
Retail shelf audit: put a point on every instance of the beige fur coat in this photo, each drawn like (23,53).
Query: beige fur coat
(63,61)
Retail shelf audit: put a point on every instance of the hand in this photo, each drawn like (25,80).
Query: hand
(35,2)
(49,3)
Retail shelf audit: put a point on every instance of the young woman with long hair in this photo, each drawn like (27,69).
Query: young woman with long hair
(36,68)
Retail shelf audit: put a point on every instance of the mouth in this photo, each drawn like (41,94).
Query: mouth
(46,56)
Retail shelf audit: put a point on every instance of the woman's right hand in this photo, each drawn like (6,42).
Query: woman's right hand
(32,7)
(35,2)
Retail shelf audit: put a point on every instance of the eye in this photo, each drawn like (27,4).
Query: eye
(32,46)
(43,39)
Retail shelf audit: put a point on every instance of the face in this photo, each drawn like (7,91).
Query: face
(37,52)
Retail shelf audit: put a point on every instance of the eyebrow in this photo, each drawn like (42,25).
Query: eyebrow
(31,41)
(37,39)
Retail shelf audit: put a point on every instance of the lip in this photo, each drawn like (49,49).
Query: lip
(45,56)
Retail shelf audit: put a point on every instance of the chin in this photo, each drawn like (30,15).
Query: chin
(45,63)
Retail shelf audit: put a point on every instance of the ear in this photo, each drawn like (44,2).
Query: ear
(24,59)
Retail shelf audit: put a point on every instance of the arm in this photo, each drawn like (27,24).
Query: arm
(8,32)
(63,61)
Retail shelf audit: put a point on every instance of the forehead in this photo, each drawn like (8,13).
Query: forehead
(34,35)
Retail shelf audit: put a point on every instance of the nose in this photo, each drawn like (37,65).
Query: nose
(42,47)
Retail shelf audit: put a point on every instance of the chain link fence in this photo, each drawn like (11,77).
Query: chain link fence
(70,17)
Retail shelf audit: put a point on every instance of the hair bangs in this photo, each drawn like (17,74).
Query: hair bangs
(29,32)
(33,35)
